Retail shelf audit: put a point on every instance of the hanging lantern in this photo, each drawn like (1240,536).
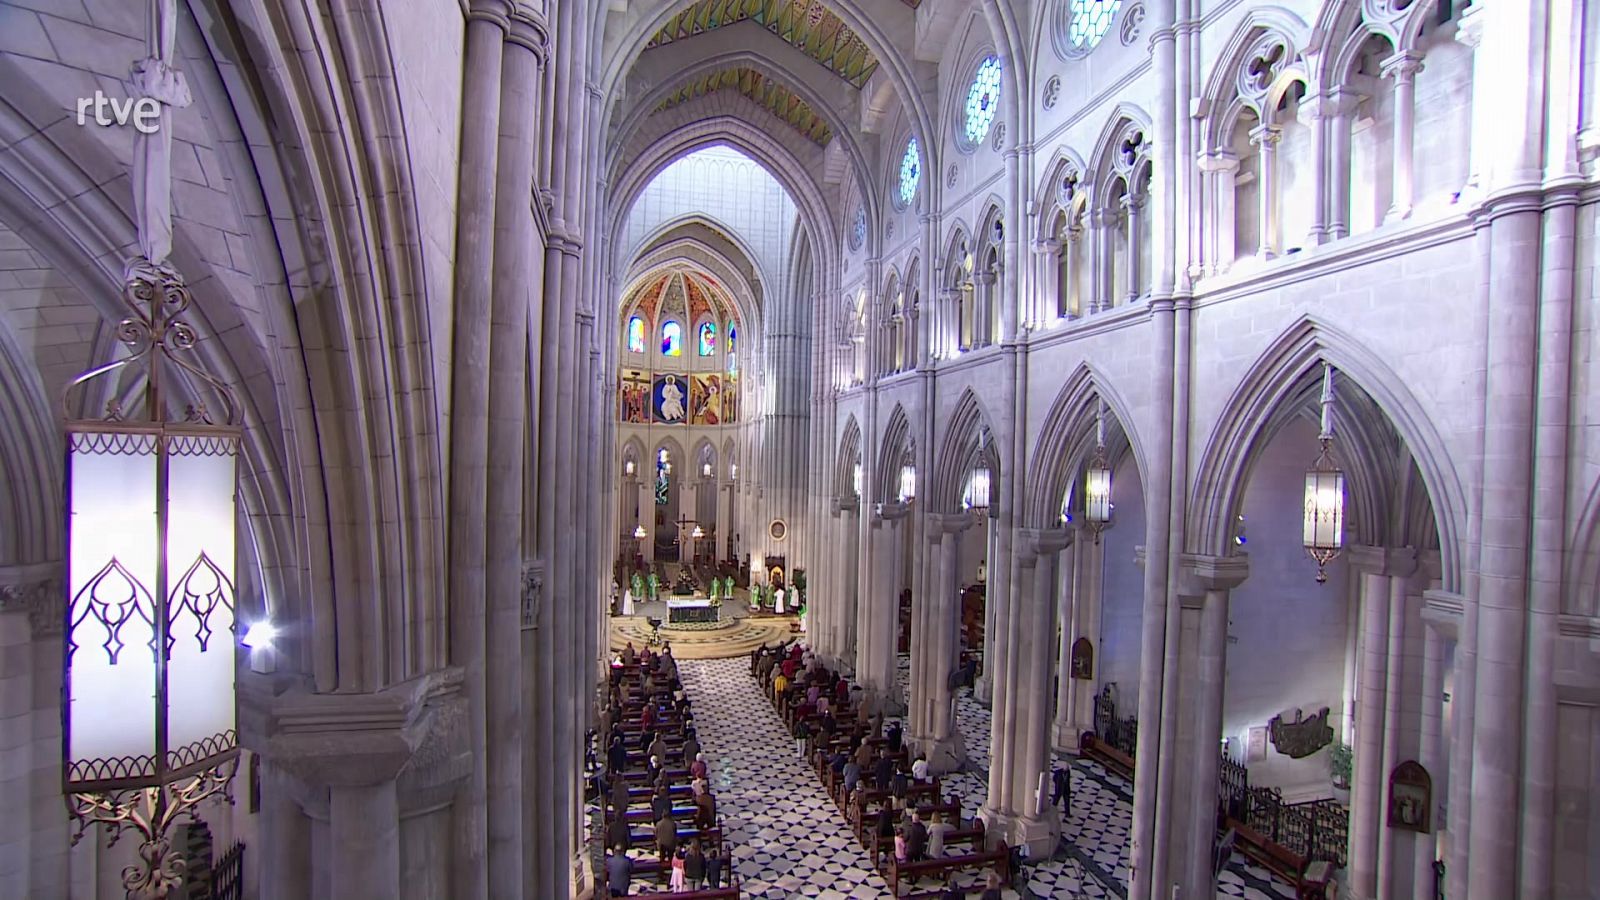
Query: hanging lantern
(1097,481)
(855,479)
(976,496)
(697,533)
(908,483)
(1324,499)
(1324,517)
(638,532)
(149,727)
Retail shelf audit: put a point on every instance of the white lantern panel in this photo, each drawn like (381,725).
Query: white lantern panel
(200,573)
(1097,494)
(1324,516)
(111,583)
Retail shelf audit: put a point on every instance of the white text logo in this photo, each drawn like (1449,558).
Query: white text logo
(144,113)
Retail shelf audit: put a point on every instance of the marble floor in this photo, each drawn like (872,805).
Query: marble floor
(789,840)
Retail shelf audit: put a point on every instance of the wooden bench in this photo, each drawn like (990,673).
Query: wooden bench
(1107,755)
(1280,860)
(646,837)
(999,858)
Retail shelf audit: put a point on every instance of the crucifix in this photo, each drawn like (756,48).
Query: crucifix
(687,536)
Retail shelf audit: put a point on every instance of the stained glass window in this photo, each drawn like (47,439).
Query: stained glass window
(672,339)
(983,100)
(663,470)
(910,172)
(733,337)
(635,335)
(708,338)
(1091,19)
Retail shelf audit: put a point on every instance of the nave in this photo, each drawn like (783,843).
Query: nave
(787,838)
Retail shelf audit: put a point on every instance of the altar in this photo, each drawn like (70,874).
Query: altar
(683,610)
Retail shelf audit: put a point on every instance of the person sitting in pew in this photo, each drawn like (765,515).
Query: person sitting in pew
(919,768)
(852,775)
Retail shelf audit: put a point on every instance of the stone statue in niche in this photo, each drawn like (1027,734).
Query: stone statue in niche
(1302,737)
(1082,659)
(1410,797)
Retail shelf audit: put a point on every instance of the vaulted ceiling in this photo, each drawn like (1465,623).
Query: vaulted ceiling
(768,93)
(679,292)
(806,24)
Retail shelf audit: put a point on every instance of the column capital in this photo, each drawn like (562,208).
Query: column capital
(1215,573)
(1041,541)
(940,524)
(1402,66)
(889,512)
(1400,562)
(38,591)
(498,12)
(1266,135)
(527,28)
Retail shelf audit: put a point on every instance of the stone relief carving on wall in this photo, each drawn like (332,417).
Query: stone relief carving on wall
(532,594)
(43,600)
(1302,737)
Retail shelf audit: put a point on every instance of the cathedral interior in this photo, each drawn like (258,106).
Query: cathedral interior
(474,449)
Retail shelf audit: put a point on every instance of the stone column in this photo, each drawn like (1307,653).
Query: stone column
(364,824)
(1266,138)
(1221,168)
(1380,570)
(845,626)
(934,655)
(1020,745)
(511,306)
(1403,68)
(879,611)
(1429,751)
(1343,105)
(647,513)
(724,517)
(1101,281)
(487,24)
(1066,634)
(1134,209)
(984,689)
(1316,114)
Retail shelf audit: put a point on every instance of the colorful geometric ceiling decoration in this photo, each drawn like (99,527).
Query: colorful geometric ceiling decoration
(806,24)
(776,98)
(679,293)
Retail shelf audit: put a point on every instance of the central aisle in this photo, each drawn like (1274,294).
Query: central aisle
(789,839)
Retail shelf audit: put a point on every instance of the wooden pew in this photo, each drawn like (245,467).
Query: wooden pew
(1107,755)
(1287,864)
(999,858)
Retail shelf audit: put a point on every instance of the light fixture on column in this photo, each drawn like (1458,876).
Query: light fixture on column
(1324,499)
(1097,506)
(733,471)
(149,731)
(705,470)
(638,532)
(627,467)
(855,479)
(908,483)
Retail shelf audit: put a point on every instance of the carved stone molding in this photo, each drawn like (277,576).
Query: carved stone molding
(532,594)
(37,591)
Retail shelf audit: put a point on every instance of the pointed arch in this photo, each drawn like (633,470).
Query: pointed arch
(1047,196)
(1103,167)
(897,447)
(1266,33)
(959,450)
(1582,595)
(845,461)
(1268,387)
(1067,438)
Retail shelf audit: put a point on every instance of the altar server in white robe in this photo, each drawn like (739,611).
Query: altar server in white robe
(627,602)
(777,602)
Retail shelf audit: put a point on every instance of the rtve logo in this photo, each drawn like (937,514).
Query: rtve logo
(144,113)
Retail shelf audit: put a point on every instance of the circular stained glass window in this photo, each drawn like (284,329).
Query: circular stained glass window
(983,100)
(1091,19)
(858,229)
(910,173)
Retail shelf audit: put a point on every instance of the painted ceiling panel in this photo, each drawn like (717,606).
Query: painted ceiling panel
(807,24)
(775,97)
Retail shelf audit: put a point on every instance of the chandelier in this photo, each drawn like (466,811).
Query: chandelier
(1324,496)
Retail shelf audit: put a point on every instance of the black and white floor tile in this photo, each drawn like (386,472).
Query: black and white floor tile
(789,840)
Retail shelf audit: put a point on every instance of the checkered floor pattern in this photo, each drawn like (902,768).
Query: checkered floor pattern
(789,840)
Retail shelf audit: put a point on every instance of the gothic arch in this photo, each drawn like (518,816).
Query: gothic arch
(848,457)
(1582,594)
(1260,62)
(1067,437)
(959,450)
(1265,390)
(897,446)
(1047,196)
(898,68)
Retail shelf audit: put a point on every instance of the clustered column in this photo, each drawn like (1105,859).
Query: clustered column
(935,639)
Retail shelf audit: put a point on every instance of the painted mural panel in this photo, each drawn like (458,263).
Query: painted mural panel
(705,400)
(730,398)
(668,397)
(633,397)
